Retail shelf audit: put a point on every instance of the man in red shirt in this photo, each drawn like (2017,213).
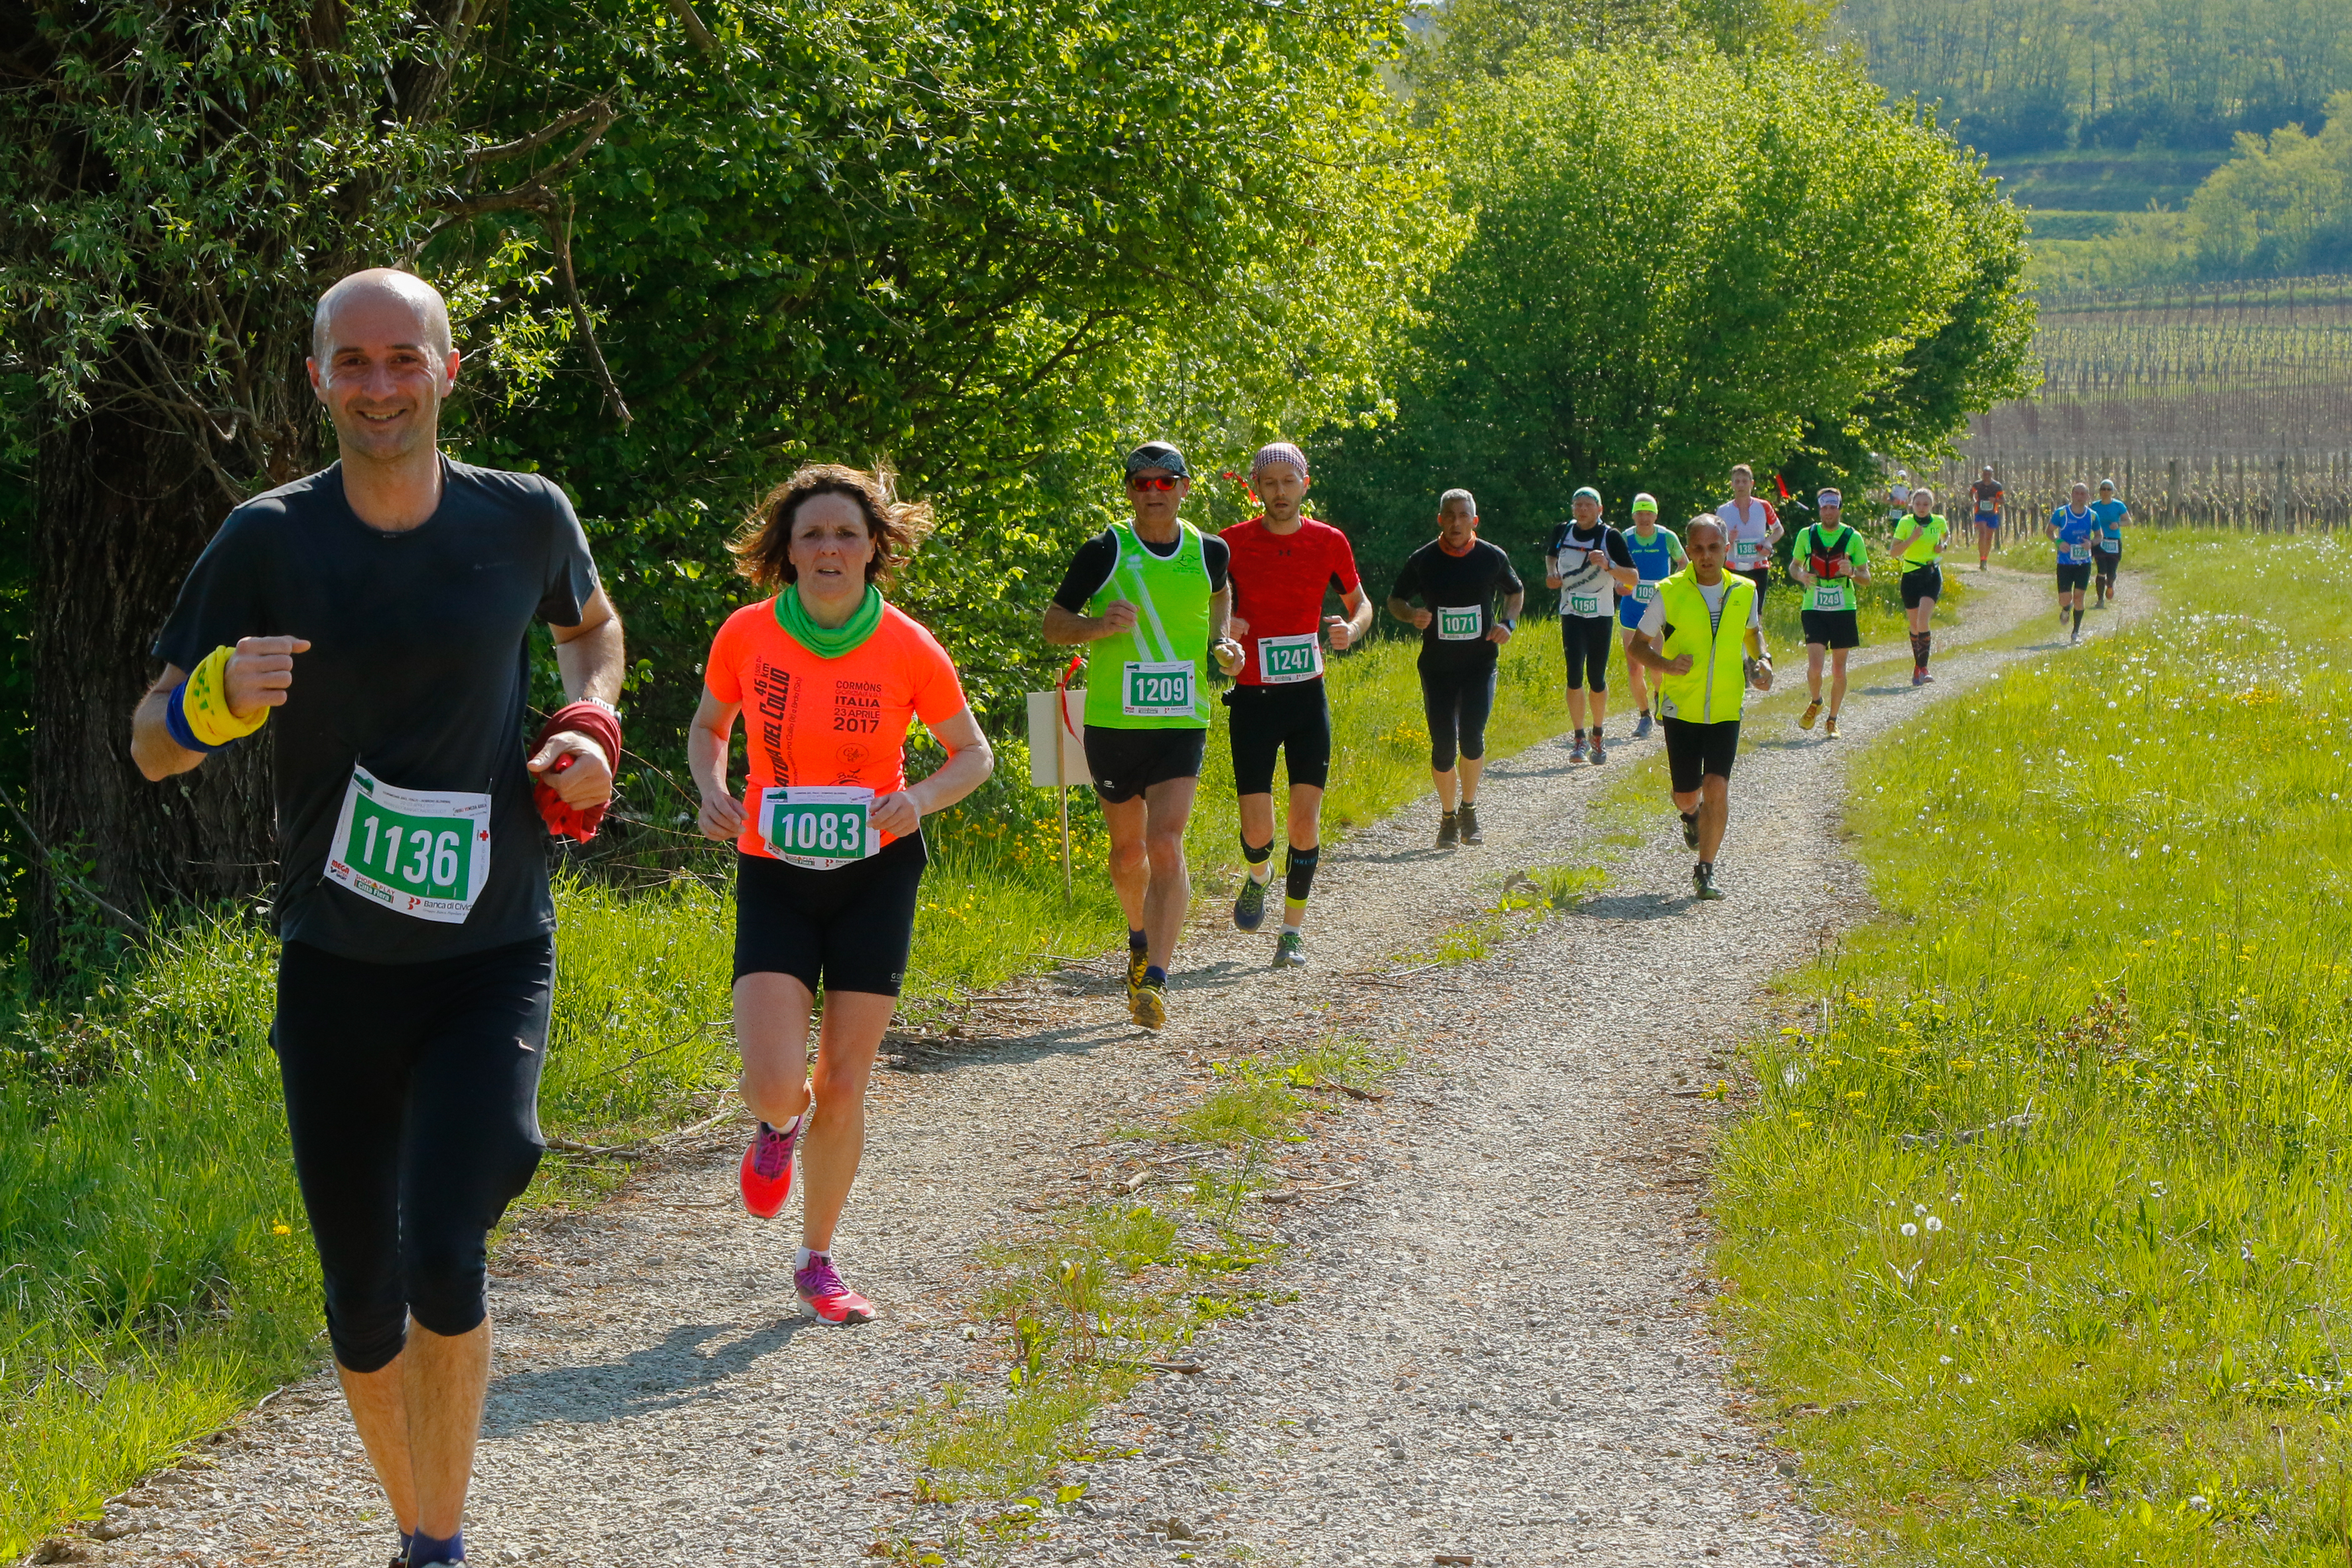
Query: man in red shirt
(1280,567)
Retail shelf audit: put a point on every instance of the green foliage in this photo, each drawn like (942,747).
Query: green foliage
(2021,75)
(2035,1215)
(1468,41)
(1656,290)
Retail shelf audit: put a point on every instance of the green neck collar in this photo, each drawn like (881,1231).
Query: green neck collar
(828,642)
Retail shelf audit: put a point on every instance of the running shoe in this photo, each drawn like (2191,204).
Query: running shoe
(1918,677)
(766,1175)
(1812,711)
(1642,726)
(1137,961)
(1290,951)
(1600,751)
(1249,910)
(833,1302)
(1690,831)
(1449,831)
(1829,727)
(1470,834)
(1576,750)
(1147,1004)
(1703,882)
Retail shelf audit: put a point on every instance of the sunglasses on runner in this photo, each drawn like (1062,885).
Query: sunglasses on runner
(1150,481)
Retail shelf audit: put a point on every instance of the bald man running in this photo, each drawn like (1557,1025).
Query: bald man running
(382,610)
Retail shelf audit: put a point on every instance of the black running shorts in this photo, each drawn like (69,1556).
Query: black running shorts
(1834,628)
(1587,640)
(412,1094)
(847,929)
(1294,720)
(1762,577)
(2107,560)
(1696,750)
(1126,762)
(1922,583)
(2074,576)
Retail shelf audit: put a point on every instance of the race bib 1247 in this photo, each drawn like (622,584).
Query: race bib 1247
(1283,661)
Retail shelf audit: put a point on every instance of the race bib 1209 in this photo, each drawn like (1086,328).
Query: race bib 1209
(420,854)
(1157,691)
(1459,623)
(821,826)
(1282,661)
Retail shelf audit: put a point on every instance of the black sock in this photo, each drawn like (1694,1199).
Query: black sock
(1299,873)
(1927,646)
(2078,620)
(1596,734)
(1137,942)
(1690,817)
(424,1548)
(1580,734)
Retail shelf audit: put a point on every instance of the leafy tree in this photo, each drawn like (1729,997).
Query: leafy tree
(1680,262)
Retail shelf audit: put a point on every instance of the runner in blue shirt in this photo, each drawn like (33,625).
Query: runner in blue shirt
(2107,549)
(2073,526)
(1657,555)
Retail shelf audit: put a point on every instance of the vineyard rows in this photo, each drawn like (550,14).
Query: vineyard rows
(2226,405)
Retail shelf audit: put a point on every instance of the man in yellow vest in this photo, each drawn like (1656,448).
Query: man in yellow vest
(1151,598)
(1705,638)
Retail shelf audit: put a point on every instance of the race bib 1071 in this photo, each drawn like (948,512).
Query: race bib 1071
(1459,623)
(421,854)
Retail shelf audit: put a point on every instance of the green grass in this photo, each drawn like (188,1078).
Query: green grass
(2115,1330)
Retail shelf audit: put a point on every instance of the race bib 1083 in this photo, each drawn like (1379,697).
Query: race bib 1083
(821,826)
(1459,623)
(421,854)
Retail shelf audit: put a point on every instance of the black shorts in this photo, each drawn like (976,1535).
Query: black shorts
(1457,701)
(1922,583)
(2106,561)
(2074,576)
(1696,750)
(847,929)
(412,1094)
(1126,762)
(1762,577)
(1836,628)
(1586,639)
(1294,720)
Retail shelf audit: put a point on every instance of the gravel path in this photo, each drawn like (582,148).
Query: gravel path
(1496,1350)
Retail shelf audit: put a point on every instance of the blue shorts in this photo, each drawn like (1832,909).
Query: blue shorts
(1988,520)
(1629,613)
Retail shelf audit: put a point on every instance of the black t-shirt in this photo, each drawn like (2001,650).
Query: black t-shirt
(1479,577)
(1584,579)
(418,670)
(1098,558)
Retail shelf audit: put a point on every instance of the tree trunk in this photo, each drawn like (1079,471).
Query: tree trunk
(124,510)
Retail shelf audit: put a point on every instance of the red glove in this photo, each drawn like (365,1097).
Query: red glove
(597,722)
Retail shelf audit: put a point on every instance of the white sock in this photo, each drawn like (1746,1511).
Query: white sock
(1290,931)
(800,1257)
(1263,872)
(786,1129)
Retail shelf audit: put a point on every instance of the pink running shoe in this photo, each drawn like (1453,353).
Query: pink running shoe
(827,1297)
(767,1172)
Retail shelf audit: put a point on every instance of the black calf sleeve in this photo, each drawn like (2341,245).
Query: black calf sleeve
(1299,873)
(1258,854)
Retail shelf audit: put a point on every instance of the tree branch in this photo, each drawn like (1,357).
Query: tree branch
(694,28)
(57,869)
(599,109)
(559,228)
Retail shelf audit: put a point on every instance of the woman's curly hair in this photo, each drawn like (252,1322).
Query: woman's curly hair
(764,549)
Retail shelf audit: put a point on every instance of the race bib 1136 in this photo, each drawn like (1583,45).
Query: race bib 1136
(421,854)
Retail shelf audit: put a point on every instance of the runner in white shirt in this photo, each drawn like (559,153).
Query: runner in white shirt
(1751,527)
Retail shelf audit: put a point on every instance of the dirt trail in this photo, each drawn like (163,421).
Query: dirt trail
(1496,1350)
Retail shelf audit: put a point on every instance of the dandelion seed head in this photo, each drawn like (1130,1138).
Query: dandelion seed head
(1910,1229)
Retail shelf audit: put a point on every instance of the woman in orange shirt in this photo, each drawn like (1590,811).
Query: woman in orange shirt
(828,679)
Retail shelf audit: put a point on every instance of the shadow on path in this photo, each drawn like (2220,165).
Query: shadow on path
(657,1377)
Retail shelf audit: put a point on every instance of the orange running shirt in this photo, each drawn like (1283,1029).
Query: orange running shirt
(811,721)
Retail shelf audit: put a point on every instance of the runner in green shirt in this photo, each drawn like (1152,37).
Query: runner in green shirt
(1830,559)
(1919,543)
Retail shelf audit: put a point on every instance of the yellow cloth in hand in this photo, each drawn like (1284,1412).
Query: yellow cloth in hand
(205,702)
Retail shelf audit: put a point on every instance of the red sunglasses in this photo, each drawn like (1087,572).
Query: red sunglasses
(1150,481)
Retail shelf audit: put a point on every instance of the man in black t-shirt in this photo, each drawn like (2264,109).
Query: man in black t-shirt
(1588,563)
(1458,577)
(381,609)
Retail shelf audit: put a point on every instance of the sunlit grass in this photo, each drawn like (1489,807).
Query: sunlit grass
(2035,1224)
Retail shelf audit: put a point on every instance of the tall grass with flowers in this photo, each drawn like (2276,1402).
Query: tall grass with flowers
(2036,1229)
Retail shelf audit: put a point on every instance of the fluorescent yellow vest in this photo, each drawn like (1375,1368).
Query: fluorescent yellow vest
(1711,692)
